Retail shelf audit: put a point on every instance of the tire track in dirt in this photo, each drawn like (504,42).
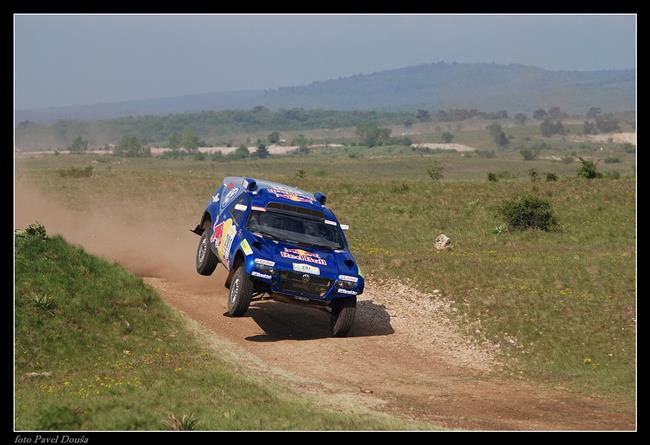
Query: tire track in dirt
(400,358)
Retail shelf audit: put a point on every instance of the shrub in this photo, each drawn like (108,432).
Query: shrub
(549,127)
(528,212)
(37,230)
(54,417)
(492,177)
(435,172)
(300,174)
(528,154)
(506,175)
(534,176)
(588,170)
(241,153)
(76,172)
(447,137)
(551,177)
(400,188)
(486,153)
(184,423)
(629,148)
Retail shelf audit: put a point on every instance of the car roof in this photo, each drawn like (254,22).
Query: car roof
(270,191)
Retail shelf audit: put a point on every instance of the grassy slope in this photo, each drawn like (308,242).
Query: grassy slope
(106,375)
(568,298)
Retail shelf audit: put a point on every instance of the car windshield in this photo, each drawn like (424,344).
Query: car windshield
(295,229)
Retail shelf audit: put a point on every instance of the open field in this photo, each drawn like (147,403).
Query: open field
(560,305)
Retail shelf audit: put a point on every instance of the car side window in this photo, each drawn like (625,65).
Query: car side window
(236,209)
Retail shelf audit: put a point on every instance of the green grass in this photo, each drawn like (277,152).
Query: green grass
(119,358)
(568,297)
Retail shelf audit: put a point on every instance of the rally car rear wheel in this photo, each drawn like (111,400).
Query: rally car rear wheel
(241,291)
(342,317)
(206,260)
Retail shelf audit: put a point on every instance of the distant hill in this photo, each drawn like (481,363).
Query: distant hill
(514,88)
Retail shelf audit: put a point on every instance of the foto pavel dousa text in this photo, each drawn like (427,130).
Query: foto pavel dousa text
(59,438)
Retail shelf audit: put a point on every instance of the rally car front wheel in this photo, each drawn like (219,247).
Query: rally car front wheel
(241,291)
(206,260)
(342,317)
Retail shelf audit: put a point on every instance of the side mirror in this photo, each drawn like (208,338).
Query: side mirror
(344,226)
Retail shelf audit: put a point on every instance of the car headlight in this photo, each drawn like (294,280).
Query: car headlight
(347,282)
(265,265)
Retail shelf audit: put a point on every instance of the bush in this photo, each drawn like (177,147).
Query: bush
(435,172)
(492,177)
(588,169)
(528,212)
(528,154)
(486,153)
(447,137)
(130,146)
(549,127)
(53,417)
(241,153)
(629,148)
(551,177)
(506,175)
(37,230)
(76,172)
(534,176)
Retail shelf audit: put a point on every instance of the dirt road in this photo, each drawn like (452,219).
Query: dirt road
(403,356)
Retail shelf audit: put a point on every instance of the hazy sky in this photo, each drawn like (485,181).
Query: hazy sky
(70,60)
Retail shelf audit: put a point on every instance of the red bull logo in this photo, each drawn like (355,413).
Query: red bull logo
(303,255)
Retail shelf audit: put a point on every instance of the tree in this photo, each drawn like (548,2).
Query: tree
(189,141)
(554,113)
(274,137)
(540,114)
(498,135)
(423,115)
(174,140)
(79,145)
(130,146)
(594,112)
(528,154)
(447,137)
(520,118)
(549,127)
(607,123)
(589,128)
(588,169)
(408,123)
(241,152)
(371,135)
(301,141)
(262,151)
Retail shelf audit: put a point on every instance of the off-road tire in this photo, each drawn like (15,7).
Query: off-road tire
(206,260)
(342,317)
(241,291)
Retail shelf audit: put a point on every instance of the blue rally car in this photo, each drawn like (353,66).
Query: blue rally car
(282,243)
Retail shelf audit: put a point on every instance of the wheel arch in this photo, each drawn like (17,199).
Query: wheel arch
(238,259)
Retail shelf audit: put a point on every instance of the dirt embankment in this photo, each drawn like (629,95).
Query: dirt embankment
(404,356)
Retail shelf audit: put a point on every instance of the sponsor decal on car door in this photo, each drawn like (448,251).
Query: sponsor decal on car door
(222,237)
